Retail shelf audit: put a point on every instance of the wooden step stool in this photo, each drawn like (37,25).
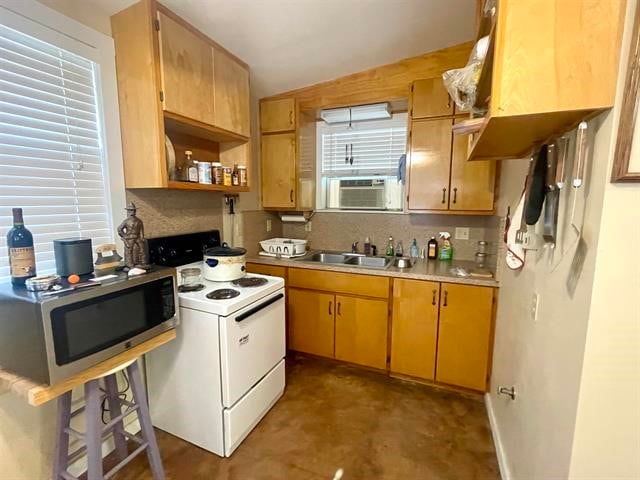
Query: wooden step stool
(96,431)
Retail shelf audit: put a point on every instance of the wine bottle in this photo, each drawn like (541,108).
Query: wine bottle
(22,258)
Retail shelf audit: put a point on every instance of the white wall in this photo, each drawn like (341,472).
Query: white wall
(567,421)
(607,434)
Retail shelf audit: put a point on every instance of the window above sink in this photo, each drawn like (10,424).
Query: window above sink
(358,165)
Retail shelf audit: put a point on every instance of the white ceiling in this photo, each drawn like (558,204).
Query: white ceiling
(295,43)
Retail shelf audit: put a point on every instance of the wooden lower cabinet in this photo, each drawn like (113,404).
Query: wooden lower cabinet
(464,335)
(414,327)
(361,331)
(311,322)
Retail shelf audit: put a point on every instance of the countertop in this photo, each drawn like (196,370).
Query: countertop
(432,270)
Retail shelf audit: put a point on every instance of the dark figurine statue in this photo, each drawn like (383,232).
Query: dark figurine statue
(131,231)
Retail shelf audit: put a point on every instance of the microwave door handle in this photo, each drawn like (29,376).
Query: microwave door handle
(257,308)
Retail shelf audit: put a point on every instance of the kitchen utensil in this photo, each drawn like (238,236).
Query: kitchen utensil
(107,262)
(223,264)
(41,282)
(522,231)
(551,198)
(170,154)
(515,252)
(536,192)
(581,153)
(575,270)
(403,262)
(190,277)
(562,153)
(73,255)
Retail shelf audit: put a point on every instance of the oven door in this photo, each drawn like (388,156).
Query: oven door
(87,331)
(252,342)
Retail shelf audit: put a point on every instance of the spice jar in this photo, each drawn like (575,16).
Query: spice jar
(235,176)
(216,173)
(204,172)
(242,171)
(226,176)
(192,169)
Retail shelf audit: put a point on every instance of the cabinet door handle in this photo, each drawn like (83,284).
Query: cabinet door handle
(433,299)
(444,194)
(291,116)
(330,308)
(455,195)
(339,310)
(446,298)
(291,196)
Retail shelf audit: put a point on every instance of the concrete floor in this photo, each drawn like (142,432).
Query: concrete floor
(333,416)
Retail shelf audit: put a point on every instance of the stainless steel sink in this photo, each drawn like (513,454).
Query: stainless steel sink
(325,257)
(370,262)
(346,259)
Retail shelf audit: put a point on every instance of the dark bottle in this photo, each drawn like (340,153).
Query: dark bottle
(22,258)
(432,249)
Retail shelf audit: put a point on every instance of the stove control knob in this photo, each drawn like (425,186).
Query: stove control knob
(173,253)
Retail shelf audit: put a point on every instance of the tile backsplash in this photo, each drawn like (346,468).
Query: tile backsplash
(173,212)
(337,231)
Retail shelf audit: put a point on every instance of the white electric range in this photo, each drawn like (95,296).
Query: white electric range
(225,370)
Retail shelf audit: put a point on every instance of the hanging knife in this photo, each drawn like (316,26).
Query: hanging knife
(581,151)
(562,151)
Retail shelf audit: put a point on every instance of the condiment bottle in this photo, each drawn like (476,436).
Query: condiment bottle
(389,250)
(216,173)
(226,176)
(192,169)
(242,170)
(235,176)
(432,249)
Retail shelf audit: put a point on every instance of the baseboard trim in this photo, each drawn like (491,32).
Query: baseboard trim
(505,474)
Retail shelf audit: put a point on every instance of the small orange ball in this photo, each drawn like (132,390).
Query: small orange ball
(72,279)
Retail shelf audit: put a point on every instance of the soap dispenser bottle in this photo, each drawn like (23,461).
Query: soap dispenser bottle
(389,251)
(446,251)
(367,246)
(414,249)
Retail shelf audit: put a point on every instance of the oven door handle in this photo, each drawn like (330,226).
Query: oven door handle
(256,309)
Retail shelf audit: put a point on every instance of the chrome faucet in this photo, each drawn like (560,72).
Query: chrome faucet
(354,247)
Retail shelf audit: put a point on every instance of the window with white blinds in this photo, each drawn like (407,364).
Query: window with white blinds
(51,154)
(363,149)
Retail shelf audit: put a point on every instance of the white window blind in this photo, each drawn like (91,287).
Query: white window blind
(51,154)
(366,148)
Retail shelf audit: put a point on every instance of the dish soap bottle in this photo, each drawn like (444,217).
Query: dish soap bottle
(446,251)
(367,246)
(414,249)
(389,251)
(399,249)
(432,249)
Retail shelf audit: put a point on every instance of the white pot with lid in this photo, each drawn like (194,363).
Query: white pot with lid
(224,263)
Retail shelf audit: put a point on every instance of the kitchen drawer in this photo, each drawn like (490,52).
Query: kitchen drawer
(273,270)
(338,282)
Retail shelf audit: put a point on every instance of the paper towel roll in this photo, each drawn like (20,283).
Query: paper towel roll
(293,218)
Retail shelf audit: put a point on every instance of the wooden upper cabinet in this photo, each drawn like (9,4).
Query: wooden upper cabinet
(429,99)
(414,327)
(278,115)
(472,183)
(186,61)
(549,65)
(429,164)
(361,331)
(464,335)
(278,170)
(231,93)
(311,322)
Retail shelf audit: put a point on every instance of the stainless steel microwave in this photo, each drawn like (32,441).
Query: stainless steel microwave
(50,338)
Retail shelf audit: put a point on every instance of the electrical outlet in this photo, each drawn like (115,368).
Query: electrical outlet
(462,233)
(307,227)
(268,225)
(535,304)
